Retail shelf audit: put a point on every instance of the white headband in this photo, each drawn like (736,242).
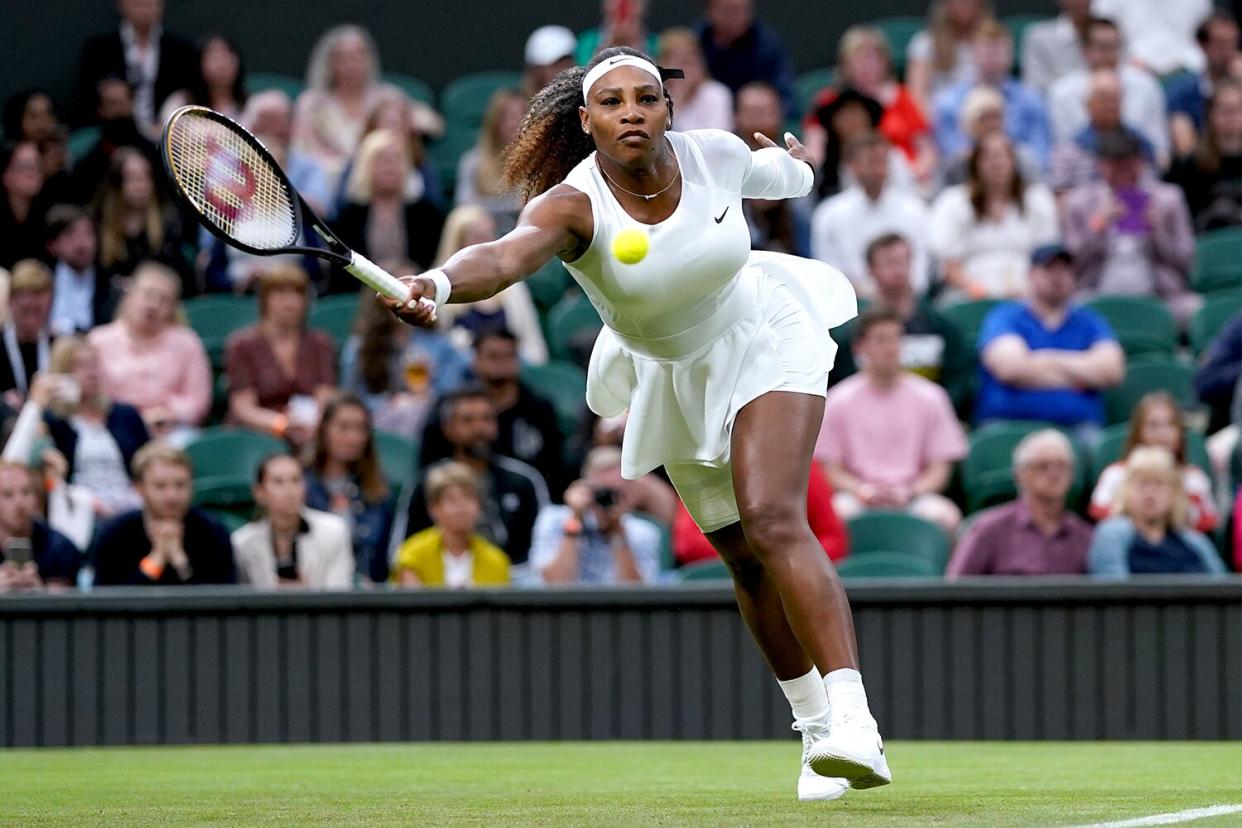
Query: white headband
(605,66)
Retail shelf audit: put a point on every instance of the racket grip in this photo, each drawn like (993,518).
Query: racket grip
(369,273)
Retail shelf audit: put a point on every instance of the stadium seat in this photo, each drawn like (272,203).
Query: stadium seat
(564,385)
(416,88)
(334,315)
(899,31)
(1017,23)
(1211,318)
(228,493)
(446,153)
(713,570)
(398,456)
(1147,375)
(464,101)
(987,471)
(667,561)
(1143,324)
(884,531)
(548,284)
(1113,440)
(232,520)
(572,326)
(214,316)
(223,452)
(882,564)
(967,318)
(811,83)
(262,81)
(82,141)
(1218,261)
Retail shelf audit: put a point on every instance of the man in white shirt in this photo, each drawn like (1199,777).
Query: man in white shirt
(843,226)
(73,243)
(1052,49)
(1160,33)
(1142,97)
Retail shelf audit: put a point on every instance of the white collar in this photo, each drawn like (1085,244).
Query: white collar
(129,37)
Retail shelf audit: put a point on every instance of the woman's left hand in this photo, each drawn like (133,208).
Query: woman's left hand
(792,144)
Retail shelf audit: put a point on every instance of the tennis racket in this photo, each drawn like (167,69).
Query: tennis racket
(240,194)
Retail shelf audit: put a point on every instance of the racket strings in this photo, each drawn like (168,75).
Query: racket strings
(230,183)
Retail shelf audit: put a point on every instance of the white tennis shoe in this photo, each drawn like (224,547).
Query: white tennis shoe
(811,786)
(852,749)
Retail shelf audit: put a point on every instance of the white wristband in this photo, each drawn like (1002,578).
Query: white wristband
(443,287)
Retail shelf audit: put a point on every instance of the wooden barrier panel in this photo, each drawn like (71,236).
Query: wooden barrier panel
(995,659)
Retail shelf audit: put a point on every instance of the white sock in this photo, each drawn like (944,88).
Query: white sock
(845,690)
(806,695)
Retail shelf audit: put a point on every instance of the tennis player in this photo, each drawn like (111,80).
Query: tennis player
(720,354)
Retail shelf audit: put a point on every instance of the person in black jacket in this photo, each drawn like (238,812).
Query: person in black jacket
(32,555)
(153,61)
(166,542)
(382,218)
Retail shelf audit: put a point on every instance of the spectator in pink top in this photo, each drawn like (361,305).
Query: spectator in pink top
(889,437)
(153,362)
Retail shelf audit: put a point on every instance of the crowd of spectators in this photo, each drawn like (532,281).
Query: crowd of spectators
(1018,178)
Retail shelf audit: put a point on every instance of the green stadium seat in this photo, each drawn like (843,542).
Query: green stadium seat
(82,141)
(1017,24)
(899,31)
(548,285)
(232,520)
(262,81)
(1113,440)
(881,564)
(464,101)
(572,324)
(226,493)
(884,531)
(564,385)
(987,471)
(1208,321)
(448,150)
(214,316)
(223,452)
(398,456)
(1145,376)
(810,83)
(713,570)
(667,561)
(416,88)
(968,318)
(1218,261)
(334,315)
(1143,324)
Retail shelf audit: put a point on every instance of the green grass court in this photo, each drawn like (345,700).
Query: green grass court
(610,783)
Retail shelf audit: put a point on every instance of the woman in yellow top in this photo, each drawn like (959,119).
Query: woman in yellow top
(451,554)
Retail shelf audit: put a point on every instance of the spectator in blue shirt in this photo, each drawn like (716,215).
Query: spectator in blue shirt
(739,49)
(1188,95)
(1026,119)
(593,538)
(1042,359)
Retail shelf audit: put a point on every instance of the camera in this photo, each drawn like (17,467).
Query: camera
(605,498)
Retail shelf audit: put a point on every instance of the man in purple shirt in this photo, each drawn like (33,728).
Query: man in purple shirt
(1036,534)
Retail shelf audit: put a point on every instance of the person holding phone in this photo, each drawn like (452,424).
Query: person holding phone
(594,538)
(32,555)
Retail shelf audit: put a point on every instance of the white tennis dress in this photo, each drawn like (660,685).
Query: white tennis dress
(703,325)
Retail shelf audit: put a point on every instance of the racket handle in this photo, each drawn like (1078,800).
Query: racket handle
(369,273)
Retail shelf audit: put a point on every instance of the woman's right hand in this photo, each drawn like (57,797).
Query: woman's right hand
(43,389)
(413,311)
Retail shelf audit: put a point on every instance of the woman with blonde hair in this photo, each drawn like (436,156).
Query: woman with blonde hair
(280,373)
(135,221)
(512,308)
(1157,421)
(939,56)
(699,101)
(152,360)
(1149,534)
(383,217)
(478,171)
(342,83)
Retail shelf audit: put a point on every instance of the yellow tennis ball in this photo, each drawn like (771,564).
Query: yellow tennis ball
(630,246)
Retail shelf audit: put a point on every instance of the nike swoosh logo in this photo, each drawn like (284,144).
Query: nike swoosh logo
(722,215)
(614,60)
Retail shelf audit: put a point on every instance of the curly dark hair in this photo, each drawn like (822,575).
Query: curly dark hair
(550,141)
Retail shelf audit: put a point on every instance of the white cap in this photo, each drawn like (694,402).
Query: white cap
(548,44)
